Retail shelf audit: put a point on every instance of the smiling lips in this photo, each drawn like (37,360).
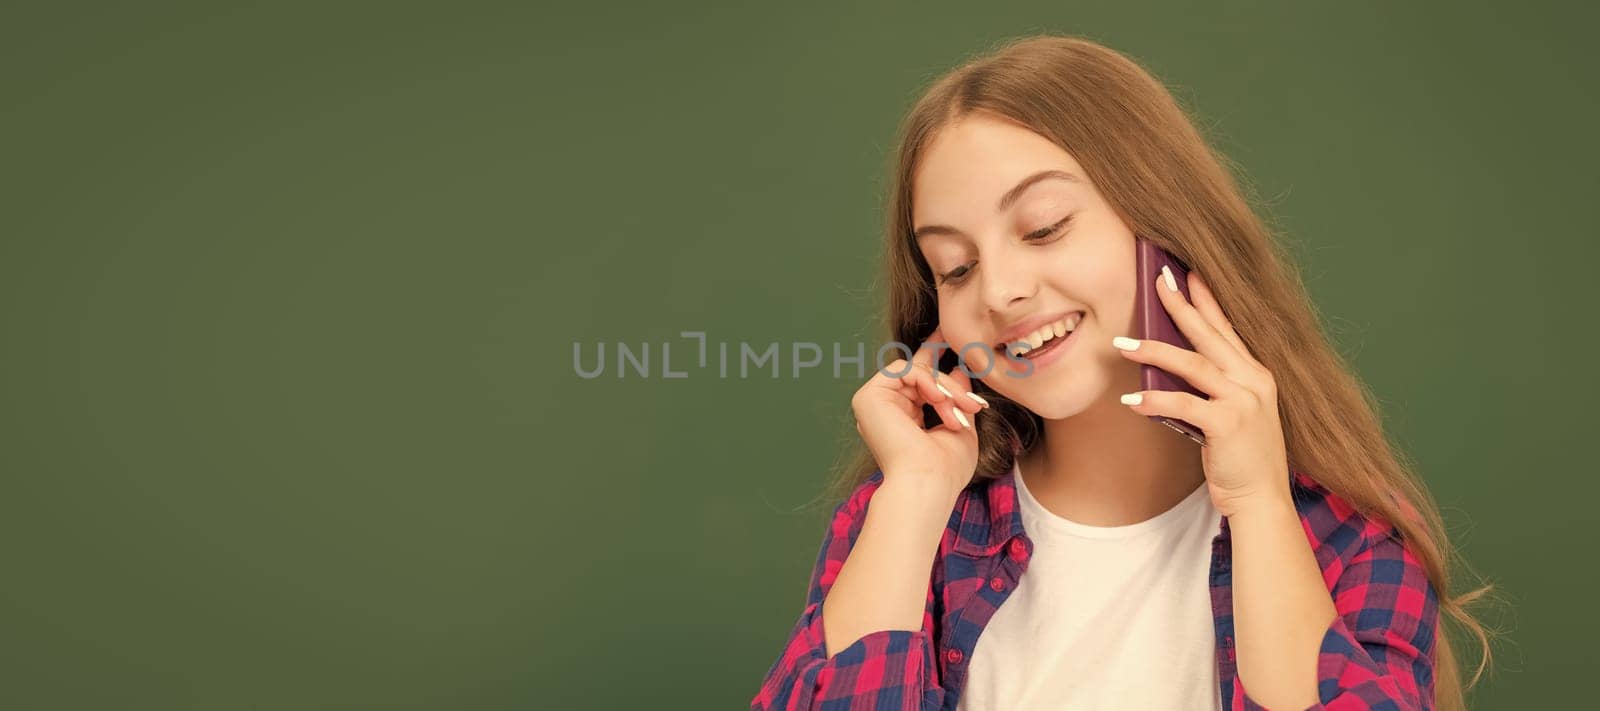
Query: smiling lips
(1046,334)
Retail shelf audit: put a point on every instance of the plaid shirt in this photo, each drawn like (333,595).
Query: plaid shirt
(1376,654)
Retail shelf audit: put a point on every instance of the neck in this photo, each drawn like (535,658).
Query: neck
(1109,465)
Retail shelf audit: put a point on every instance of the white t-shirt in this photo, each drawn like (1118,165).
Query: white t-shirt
(1104,617)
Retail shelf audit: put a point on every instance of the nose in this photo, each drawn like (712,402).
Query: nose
(1007,281)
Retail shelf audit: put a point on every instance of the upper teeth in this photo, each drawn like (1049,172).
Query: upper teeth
(1044,334)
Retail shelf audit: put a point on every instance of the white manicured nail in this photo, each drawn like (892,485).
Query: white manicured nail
(936,384)
(1132,398)
(1125,343)
(1172,283)
(979,400)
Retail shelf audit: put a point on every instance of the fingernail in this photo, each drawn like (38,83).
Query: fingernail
(979,400)
(941,389)
(1125,343)
(1172,283)
(1132,398)
(962,419)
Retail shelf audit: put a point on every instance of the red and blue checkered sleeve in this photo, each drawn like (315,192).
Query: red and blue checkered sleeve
(1378,653)
(884,670)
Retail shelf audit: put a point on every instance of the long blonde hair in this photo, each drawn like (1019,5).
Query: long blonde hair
(1140,149)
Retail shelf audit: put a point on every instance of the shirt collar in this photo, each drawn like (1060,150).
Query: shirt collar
(991,515)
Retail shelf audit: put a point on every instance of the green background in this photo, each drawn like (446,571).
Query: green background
(289,295)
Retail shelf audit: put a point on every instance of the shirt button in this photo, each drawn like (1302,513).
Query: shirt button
(996,584)
(953,656)
(1019,551)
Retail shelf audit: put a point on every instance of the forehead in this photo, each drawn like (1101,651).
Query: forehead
(970,164)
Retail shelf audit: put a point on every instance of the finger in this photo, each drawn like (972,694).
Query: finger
(918,387)
(912,384)
(891,376)
(928,353)
(928,384)
(1193,367)
(1172,403)
(960,390)
(953,416)
(925,359)
(961,386)
(942,398)
(958,395)
(1206,340)
(1206,303)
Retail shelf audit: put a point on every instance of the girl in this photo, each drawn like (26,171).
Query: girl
(1050,545)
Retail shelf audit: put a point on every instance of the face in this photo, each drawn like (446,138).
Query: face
(1012,251)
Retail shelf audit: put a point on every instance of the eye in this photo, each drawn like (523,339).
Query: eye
(1040,235)
(957,275)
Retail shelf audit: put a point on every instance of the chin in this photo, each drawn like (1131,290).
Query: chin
(1063,399)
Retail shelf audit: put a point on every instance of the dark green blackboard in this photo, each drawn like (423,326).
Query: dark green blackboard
(289,293)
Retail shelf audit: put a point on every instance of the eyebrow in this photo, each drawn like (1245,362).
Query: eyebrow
(1006,201)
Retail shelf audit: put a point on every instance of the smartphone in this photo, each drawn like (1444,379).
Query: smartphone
(1151,321)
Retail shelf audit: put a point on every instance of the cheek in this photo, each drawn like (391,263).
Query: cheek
(1115,290)
(1112,289)
(1099,272)
(959,337)
(961,330)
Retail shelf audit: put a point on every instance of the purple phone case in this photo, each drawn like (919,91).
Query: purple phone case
(1153,322)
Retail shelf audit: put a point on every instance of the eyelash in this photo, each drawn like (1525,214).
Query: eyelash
(951,277)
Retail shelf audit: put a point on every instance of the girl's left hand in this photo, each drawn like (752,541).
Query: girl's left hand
(1244,456)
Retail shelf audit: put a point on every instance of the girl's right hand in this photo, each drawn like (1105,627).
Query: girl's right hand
(888,414)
